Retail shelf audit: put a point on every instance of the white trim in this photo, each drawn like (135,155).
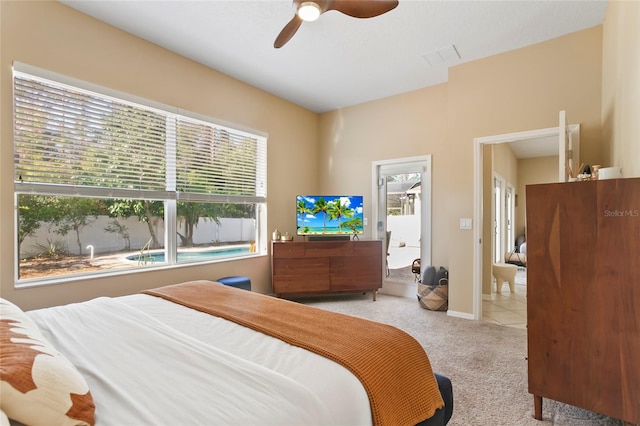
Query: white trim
(498,244)
(477,202)
(418,164)
(171,229)
(477,199)
(66,279)
(93,191)
(462,315)
(477,230)
(510,231)
(512,137)
(170,195)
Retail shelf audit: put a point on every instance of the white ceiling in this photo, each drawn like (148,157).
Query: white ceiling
(339,61)
(534,148)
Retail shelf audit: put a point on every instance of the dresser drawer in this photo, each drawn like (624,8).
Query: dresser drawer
(301,266)
(299,284)
(287,249)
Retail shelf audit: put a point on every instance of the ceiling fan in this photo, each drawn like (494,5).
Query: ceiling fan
(311,10)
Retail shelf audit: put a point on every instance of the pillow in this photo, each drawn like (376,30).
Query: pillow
(428,276)
(4,420)
(39,385)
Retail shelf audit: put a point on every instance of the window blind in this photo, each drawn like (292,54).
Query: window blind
(70,137)
(218,161)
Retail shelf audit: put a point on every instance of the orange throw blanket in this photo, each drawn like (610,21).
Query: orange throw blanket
(392,366)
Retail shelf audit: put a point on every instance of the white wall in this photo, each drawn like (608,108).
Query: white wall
(206,232)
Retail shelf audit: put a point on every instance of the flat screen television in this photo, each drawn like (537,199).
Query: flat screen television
(329,215)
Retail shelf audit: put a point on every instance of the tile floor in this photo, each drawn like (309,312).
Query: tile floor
(506,308)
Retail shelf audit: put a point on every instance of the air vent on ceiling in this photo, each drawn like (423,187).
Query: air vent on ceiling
(444,56)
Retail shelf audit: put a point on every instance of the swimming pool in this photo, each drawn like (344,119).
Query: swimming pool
(158,256)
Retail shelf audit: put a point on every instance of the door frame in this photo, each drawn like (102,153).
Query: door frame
(421,164)
(510,216)
(478,194)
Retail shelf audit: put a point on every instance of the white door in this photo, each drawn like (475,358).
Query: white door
(401,195)
(498,215)
(510,218)
(503,218)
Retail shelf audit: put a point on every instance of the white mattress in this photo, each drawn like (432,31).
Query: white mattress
(150,361)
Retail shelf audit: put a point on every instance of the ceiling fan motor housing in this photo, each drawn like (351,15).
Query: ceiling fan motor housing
(307,10)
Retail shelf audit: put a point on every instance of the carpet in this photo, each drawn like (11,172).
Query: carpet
(485,362)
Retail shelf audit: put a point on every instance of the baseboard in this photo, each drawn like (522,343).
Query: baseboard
(457,314)
(408,290)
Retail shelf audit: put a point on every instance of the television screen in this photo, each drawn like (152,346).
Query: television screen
(329,215)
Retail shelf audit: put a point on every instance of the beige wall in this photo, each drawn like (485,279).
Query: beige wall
(621,87)
(397,127)
(505,163)
(532,171)
(52,36)
(515,91)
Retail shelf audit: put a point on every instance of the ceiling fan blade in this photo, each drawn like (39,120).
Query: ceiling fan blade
(287,32)
(362,8)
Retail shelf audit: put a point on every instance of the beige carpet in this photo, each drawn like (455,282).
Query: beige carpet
(485,362)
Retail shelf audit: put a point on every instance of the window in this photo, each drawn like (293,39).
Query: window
(105,183)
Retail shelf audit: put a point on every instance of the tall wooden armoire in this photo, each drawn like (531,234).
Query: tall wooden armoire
(583,295)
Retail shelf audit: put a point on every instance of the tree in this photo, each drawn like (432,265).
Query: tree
(190,214)
(116,227)
(321,206)
(338,209)
(353,224)
(29,216)
(302,210)
(146,211)
(33,211)
(76,213)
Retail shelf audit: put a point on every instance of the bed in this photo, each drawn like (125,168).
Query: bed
(201,353)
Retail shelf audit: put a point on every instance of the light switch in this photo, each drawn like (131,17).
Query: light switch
(364,221)
(465,223)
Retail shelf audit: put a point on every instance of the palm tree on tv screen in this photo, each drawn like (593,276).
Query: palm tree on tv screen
(353,224)
(339,209)
(321,206)
(302,210)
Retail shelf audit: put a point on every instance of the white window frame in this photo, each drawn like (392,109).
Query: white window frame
(171,195)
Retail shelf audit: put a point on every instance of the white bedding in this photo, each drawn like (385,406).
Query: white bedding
(150,361)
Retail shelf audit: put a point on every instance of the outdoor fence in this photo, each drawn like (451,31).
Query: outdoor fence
(207,232)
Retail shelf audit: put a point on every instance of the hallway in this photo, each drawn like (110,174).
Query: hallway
(506,308)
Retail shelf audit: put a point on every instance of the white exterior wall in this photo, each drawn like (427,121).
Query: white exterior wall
(404,229)
(207,232)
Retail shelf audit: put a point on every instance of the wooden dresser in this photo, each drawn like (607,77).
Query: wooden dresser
(322,267)
(583,295)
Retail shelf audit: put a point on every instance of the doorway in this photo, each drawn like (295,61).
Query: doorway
(401,206)
(564,143)
(503,217)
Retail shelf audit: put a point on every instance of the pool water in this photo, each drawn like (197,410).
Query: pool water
(189,255)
